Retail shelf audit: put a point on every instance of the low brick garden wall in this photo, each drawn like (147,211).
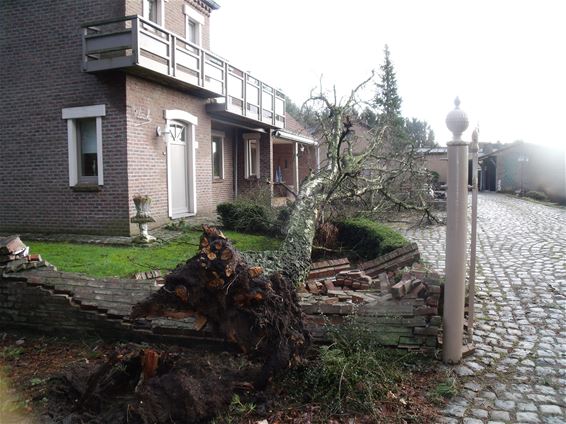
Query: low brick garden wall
(400,307)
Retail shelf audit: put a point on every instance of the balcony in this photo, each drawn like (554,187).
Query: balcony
(142,48)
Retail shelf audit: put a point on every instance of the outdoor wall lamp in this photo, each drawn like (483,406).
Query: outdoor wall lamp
(159,132)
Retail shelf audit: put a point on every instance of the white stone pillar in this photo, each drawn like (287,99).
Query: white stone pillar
(456,235)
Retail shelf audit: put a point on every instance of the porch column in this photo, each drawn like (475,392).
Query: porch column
(270,138)
(296,166)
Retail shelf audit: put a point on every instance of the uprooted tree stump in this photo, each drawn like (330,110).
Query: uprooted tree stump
(258,312)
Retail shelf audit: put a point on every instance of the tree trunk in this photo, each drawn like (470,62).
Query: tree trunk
(293,258)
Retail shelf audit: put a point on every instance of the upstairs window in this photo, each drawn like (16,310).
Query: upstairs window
(251,157)
(217,155)
(153,11)
(194,25)
(84,138)
(193,32)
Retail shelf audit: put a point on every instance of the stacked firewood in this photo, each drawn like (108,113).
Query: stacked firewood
(14,256)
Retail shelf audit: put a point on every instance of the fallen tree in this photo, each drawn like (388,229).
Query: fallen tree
(250,298)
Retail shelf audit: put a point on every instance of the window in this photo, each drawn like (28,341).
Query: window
(153,11)
(86,150)
(194,25)
(84,138)
(217,155)
(251,158)
(193,32)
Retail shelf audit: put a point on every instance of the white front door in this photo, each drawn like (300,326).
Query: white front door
(179,152)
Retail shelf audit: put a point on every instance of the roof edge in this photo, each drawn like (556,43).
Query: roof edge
(212,4)
(295,137)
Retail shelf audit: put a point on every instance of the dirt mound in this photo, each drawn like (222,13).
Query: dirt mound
(140,385)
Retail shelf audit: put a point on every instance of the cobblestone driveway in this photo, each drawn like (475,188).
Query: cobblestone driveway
(518,373)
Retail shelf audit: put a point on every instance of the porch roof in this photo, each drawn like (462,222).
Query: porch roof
(295,131)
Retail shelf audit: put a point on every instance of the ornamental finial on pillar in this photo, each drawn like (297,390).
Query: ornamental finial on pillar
(457,121)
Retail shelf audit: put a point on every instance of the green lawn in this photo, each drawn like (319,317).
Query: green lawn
(106,261)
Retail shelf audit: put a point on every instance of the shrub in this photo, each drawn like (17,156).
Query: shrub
(246,217)
(369,239)
(537,195)
(352,374)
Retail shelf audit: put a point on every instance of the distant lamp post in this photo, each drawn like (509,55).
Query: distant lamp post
(456,234)
(522,159)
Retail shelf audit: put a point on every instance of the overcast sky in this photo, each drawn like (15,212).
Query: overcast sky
(506,60)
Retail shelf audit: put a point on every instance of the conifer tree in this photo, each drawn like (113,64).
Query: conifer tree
(387,103)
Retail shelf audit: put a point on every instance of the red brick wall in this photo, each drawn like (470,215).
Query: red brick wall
(175,17)
(223,190)
(283,155)
(307,162)
(147,160)
(265,168)
(40,74)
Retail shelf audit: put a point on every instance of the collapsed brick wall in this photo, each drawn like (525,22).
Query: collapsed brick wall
(40,300)
(39,309)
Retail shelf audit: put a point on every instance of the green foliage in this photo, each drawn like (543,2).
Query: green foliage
(105,261)
(387,100)
(237,410)
(246,216)
(435,177)
(537,195)
(352,374)
(444,390)
(254,215)
(419,133)
(36,382)
(10,353)
(237,407)
(369,239)
(303,114)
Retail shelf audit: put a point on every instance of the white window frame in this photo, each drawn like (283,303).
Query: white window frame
(221,135)
(72,115)
(191,15)
(160,11)
(247,154)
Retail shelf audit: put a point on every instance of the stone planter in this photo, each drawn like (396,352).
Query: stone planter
(143,216)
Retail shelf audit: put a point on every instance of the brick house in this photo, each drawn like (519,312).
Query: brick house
(123,97)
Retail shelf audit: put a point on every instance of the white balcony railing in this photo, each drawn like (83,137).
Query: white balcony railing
(140,46)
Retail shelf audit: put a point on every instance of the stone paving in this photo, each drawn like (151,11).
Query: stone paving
(518,372)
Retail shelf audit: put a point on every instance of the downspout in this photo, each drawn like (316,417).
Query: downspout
(235,163)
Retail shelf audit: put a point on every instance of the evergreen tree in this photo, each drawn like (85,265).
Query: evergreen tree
(419,133)
(388,105)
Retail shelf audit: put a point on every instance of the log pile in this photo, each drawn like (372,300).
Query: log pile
(402,306)
(15,256)
(397,259)
(258,312)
